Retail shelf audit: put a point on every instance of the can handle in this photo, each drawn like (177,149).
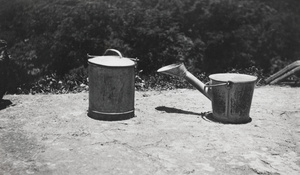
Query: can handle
(114,50)
(228,84)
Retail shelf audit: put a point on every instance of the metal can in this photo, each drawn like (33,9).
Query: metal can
(111,87)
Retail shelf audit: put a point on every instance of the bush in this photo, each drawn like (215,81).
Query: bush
(52,37)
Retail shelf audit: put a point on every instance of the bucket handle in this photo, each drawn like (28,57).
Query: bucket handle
(120,55)
(228,84)
(114,50)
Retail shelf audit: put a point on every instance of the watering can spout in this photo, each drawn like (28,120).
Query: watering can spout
(179,70)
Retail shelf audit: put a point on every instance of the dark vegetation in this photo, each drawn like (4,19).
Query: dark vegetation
(48,40)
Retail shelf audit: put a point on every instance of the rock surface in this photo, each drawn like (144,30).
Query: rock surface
(52,134)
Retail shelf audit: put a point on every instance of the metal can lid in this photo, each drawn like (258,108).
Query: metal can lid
(112,60)
(233,77)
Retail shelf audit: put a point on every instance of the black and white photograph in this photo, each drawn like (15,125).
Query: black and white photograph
(149,87)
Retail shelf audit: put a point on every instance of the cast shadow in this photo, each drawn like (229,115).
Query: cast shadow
(207,116)
(178,111)
(4,103)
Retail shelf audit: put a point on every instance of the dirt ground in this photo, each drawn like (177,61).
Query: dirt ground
(52,134)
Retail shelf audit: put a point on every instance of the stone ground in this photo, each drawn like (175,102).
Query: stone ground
(52,134)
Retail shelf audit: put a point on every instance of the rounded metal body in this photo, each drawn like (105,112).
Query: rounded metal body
(111,89)
(231,96)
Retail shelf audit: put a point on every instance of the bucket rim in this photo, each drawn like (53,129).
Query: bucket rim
(233,77)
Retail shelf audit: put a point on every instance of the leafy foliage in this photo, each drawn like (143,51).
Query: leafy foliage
(51,38)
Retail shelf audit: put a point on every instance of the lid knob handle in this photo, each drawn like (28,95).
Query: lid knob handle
(114,50)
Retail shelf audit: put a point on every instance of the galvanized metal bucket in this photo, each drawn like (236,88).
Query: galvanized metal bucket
(111,87)
(231,96)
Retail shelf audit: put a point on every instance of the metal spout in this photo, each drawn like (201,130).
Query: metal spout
(179,70)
